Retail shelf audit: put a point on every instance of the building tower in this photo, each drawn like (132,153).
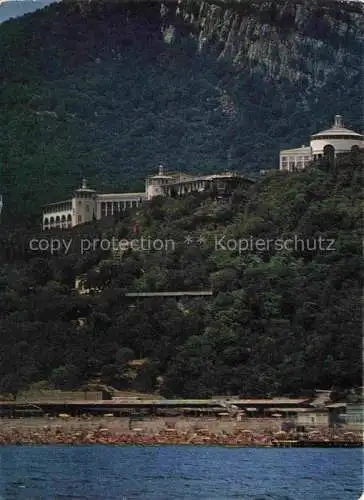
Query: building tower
(327,143)
(83,204)
(335,140)
(154,183)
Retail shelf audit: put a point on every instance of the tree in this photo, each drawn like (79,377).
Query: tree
(66,377)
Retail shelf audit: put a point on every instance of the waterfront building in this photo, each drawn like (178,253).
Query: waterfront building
(354,415)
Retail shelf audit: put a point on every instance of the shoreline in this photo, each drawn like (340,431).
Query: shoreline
(157,432)
(149,445)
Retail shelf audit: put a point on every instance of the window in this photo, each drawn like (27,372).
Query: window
(87,208)
(333,137)
(299,164)
(329,152)
(79,219)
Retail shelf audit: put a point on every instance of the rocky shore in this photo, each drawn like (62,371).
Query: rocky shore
(15,432)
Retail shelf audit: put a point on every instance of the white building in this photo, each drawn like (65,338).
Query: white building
(295,159)
(154,184)
(58,215)
(87,205)
(330,142)
(114,203)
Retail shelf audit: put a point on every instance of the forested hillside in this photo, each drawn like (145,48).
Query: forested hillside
(16,8)
(282,320)
(108,90)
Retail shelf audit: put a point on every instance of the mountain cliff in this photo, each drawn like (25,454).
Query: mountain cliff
(109,90)
(298,40)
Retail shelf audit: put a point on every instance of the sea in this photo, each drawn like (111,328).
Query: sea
(102,472)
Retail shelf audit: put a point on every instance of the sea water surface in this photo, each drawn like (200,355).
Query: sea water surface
(99,472)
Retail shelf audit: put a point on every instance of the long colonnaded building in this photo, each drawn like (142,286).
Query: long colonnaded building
(87,205)
(329,143)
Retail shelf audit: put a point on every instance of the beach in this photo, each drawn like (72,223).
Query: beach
(173,430)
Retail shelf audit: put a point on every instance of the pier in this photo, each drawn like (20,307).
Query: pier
(194,293)
(309,443)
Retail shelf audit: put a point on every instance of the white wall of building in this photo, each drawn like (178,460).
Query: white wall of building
(295,159)
(340,145)
(111,204)
(154,184)
(58,218)
(83,206)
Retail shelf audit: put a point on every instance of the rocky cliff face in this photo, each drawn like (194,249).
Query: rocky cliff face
(301,40)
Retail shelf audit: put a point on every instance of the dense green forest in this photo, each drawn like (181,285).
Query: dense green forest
(108,90)
(281,320)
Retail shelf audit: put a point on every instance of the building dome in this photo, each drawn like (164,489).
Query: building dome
(338,137)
